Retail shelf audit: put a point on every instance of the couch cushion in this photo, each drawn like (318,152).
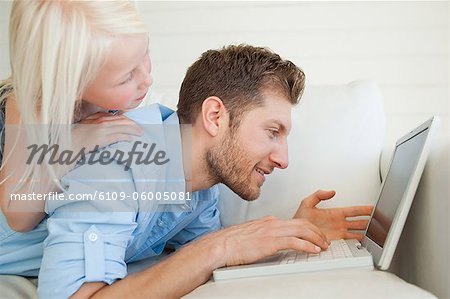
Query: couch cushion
(335,143)
(324,284)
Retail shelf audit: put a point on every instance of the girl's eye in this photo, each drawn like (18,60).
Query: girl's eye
(128,79)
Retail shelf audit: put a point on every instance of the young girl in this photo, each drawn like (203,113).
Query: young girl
(71,63)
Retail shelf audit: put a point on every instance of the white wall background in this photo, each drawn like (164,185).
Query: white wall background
(401,45)
(404,46)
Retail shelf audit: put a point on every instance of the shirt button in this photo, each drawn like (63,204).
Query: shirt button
(160,222)
(93,237)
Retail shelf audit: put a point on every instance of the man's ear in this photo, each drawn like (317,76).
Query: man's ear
(213,115)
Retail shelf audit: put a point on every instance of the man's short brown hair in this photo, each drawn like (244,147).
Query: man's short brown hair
(238,75)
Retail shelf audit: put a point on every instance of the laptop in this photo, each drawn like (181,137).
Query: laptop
(385,224)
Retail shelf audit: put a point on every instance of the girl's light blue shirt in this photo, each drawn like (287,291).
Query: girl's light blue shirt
(93,240)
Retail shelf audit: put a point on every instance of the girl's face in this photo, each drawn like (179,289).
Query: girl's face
(124,79)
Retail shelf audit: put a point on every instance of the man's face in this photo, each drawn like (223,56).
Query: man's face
(243,157)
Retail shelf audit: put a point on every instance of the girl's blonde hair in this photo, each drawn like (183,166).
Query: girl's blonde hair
(56,49)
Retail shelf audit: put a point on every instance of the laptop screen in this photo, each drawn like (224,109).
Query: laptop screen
(406,157)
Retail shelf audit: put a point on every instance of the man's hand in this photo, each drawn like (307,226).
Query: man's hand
(254,240)
(333,222)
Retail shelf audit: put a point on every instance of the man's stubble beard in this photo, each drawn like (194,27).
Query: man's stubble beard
(229,164)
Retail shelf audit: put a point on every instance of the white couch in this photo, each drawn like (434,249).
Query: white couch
(336,142)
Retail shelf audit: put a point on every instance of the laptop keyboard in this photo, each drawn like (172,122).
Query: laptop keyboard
(341,254)
(337,249)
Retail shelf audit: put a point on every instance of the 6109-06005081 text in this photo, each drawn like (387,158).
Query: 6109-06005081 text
(103,196)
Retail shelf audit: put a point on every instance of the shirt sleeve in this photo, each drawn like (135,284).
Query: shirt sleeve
(87,239)
(205,221)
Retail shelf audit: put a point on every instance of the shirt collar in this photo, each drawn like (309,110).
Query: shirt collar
(170,176)
(146,115)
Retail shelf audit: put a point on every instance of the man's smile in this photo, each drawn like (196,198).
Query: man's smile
(261,173)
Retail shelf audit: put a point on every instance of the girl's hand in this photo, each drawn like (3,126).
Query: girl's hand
(102,129)
(99,130)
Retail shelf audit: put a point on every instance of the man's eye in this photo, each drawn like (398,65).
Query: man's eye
(273,134)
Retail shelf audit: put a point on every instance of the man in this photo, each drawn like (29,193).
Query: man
(239,102)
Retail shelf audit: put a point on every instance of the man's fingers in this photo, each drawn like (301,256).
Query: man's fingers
(298,244)
(302,229)
(357,224)
(316,197)
(313,236)
(357,211)
(350,235)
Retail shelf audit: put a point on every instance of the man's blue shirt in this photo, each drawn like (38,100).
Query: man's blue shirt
(93,240)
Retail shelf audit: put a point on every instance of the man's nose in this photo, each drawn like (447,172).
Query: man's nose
(280,156)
